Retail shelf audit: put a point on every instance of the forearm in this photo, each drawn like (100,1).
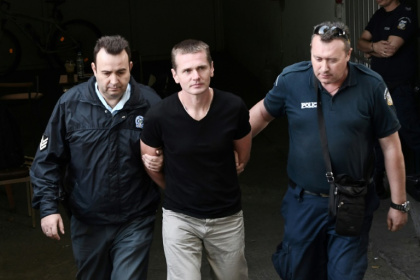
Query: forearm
(243,151)
(259,118)
(157,177)
(395,170)
(366,46)
(46,193)
(394,164)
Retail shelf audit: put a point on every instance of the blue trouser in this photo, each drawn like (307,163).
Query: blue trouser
(311,249)
(112,251)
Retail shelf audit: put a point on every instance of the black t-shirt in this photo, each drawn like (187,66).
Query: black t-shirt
(401,22)
(199,164)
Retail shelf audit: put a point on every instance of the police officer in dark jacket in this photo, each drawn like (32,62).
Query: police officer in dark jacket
(93,134)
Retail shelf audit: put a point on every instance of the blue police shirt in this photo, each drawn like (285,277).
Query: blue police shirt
(360,112)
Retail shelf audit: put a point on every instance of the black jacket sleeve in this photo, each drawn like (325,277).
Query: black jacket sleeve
(50,161)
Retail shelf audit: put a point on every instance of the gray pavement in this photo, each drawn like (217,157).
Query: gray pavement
(394,255)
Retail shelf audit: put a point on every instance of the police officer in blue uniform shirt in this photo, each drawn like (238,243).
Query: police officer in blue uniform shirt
(358,110)
(390,41)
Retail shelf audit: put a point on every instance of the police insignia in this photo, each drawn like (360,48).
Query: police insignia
(387,97)
(402,24)
(44,143)
(139,121)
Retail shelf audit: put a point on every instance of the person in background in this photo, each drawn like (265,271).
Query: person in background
(357,110)
(390,41)
(93,134)
(198,129)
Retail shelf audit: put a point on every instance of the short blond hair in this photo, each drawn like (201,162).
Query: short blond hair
(190,46)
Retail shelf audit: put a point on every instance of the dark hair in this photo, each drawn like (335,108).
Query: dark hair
(190,46)
(333,30)
(113,45)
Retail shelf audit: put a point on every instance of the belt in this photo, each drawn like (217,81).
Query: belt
(293,185)
(317,194)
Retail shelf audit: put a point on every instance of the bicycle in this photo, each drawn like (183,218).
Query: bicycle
(61,41)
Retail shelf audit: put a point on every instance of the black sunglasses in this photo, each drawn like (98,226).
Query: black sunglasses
(335,31)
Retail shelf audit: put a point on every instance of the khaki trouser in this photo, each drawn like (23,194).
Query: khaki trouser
(223,240)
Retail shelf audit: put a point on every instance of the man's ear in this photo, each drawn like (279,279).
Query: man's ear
(93,66)
(349,54)
(175,76)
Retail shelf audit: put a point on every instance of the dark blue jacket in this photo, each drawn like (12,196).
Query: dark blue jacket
(106,181)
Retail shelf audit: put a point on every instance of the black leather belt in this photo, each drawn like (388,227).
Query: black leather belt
(293,185)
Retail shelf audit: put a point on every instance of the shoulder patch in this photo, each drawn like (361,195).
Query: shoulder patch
(139,121)
(387,97)
(44,142)
(402,24)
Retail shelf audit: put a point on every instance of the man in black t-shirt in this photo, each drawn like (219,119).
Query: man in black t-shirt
(199,128)
(389,40)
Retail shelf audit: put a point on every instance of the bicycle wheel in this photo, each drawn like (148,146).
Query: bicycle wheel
(10,52)
(75,36)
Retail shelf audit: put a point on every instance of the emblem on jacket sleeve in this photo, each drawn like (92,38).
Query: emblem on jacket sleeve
(387,97)
(402,24)
(139,121)
(44,143)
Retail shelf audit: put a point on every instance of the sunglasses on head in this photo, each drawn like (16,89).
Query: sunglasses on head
(335,31)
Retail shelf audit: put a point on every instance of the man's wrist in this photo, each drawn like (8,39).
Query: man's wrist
(372,50)
(404,207)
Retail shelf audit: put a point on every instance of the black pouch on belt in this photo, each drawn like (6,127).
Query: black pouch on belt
(347,203)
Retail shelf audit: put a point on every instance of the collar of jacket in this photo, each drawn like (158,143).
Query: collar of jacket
(136,98)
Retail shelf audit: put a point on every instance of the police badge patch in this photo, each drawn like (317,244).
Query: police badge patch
(402,24)
(139,121)
(387,97)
